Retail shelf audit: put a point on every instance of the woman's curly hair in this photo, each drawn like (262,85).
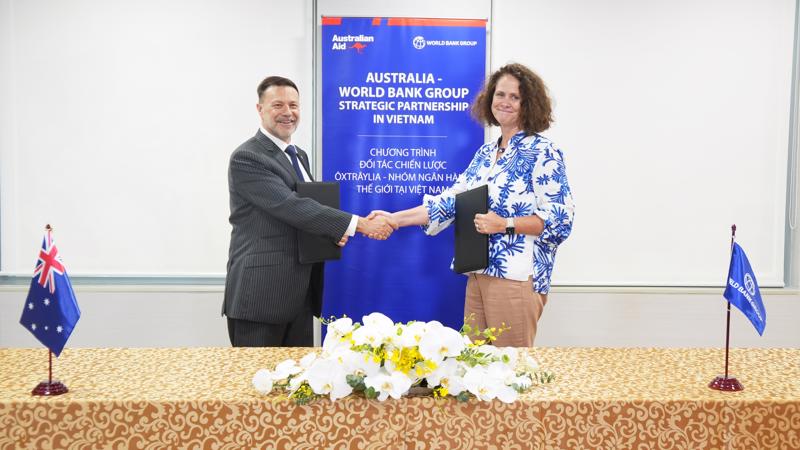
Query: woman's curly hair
(536,112)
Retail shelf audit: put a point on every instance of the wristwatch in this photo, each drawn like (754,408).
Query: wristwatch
(510,225)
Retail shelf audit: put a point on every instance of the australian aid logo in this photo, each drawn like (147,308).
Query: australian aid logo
(351,42)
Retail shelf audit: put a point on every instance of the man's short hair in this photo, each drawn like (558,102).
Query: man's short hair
(274,81)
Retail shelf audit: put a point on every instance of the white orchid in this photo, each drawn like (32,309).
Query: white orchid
(384,359)
(340,389)
(502,375)
(336,332)
(341,327)
(441,342)
(327,377)
(474,382)
(387,385)
(488,383)
(454,384)
(500,371)
(305,361)
(433,324)
(286,369)
(378,320)
(445,370)
(376,330)
(411,334)
(262,381)
(509,355)
(521,382)
(332,342)
(370,335)
(506,394)
(355,363)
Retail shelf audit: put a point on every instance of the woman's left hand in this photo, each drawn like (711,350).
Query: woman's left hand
(490,223)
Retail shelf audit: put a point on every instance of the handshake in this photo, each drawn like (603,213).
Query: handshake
(377,225)
(381,224)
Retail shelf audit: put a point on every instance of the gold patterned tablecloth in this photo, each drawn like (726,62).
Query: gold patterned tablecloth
(202,398)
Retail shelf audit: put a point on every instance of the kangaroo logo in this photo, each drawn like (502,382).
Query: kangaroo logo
(358,46)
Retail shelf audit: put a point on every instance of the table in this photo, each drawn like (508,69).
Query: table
(202,398)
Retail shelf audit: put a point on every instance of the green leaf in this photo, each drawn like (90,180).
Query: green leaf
(356,382)
(370,393)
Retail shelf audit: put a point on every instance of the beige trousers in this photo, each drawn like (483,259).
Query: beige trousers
(496,301)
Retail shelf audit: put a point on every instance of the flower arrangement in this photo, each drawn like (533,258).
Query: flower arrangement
(383,359)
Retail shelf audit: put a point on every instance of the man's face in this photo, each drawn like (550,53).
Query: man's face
(280,111)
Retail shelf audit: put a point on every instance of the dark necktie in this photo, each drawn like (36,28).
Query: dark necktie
(293,156)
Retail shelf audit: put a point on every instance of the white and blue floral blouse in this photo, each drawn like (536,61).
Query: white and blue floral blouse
(529,178)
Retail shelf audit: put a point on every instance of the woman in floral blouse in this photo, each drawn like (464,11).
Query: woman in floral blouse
(530,206)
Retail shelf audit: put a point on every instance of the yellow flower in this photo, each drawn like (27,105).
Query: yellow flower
(405,359)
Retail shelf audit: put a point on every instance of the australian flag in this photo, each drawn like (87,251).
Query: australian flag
(742,289)
(50,311)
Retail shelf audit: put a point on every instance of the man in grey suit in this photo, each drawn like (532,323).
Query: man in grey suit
(270,297)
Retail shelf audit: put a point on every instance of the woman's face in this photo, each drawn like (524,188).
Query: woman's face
(506,102)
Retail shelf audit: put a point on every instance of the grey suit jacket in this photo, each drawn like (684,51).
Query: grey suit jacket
(265,281)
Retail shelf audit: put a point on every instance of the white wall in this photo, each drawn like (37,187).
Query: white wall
(674,121)
(122,118)
(189,317)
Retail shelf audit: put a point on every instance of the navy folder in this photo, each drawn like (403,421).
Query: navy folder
(471,248)
(311,247)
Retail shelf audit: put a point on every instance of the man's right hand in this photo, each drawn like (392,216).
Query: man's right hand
(376,226)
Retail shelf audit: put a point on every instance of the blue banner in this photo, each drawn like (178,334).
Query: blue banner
(396,124)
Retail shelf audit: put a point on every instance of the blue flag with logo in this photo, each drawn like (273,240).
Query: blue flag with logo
(742,289)
(50,311)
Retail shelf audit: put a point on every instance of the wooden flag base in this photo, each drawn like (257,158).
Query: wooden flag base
(726,384)
(48,388)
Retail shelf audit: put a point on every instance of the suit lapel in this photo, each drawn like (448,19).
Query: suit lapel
(276,153)
(304,161)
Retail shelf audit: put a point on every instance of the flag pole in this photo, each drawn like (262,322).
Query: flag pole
(728,320)
(727,339)
(724,382)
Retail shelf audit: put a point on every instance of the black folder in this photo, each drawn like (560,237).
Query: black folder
(472,248)
(311,247)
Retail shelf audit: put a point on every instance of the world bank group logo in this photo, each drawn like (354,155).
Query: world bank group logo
(418,42)
(749,284)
